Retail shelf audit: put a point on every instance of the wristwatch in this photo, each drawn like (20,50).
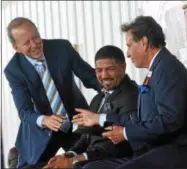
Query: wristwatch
(69,154)
(75,160)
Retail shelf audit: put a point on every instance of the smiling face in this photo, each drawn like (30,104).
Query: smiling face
(136,51)
(109,73)
(28,41)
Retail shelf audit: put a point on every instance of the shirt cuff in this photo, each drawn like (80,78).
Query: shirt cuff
(75,127)
(73,152)
(39,121)
(85,156)
(102,119)
(124,134)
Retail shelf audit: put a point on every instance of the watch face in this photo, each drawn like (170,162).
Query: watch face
(75,160)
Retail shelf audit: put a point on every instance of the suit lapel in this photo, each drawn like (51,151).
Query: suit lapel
(30,71)
(122,86)
(94,107)
(51,61)
(158,58)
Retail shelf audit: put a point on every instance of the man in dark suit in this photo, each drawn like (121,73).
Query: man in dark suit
(40,75)
(159,138)
(119,97)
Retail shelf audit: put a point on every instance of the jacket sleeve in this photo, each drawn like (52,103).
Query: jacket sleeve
(82,69)
(125,115)
(82,144)
(22,99)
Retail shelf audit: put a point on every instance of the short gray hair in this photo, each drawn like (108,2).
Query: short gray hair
(15,23)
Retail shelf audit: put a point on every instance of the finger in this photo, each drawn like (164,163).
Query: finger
(79,110)
(115,127)
(106,134)
(46,166)
(78,121)
(55,123)
(77,116)
(57,118)
(62,117)
(53,128)
(51,160)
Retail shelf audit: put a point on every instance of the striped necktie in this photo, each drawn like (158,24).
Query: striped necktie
(52,94)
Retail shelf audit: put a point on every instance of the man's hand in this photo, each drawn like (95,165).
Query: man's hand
(59,161)
(115,135)
(86,118)
(53,122)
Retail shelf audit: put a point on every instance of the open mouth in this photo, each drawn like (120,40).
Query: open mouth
(106,82)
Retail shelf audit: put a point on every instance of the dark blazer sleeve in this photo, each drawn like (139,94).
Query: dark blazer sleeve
(82,69)
(125,115)
(82,145)
(22,98)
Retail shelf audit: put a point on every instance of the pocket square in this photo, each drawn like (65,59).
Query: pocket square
(143,89)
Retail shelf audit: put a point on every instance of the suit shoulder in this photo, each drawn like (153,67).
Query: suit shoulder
(13,63)
(56,42)
(172,65)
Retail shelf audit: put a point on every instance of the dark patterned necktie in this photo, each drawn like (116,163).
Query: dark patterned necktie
(104,104)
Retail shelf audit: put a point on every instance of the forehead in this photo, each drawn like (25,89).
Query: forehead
(129,36)
(105,63)
(25,30)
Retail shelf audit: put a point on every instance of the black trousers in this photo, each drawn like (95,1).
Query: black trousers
(164,157)
(58,140)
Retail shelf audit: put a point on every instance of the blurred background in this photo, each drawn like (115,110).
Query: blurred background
(88,25)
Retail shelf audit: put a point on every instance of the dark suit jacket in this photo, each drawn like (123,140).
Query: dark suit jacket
(30,96)
(123,103)
(163,109)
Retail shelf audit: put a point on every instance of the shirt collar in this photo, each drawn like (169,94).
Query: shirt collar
(33,61)
(152,60)
(108,91)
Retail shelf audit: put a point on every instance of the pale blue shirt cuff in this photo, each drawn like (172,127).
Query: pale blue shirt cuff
(124,134)
(102,119)
(39,121)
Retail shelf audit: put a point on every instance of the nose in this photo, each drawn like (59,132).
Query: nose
(33,43)
(128,53)
(104,74)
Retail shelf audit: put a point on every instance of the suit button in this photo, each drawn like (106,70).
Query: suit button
(49,134)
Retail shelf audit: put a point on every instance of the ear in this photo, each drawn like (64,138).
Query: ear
(145,42)
(15,48)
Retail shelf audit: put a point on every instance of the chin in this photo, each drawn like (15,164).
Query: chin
(38,56)
(138,66)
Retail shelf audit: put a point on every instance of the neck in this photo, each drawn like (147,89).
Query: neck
(151,53)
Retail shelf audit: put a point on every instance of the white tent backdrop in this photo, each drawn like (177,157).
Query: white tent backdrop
(90,25)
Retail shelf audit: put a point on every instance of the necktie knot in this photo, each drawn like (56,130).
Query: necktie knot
(40,66)
(106,95)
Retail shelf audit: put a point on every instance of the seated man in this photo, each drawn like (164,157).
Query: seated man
(119,97)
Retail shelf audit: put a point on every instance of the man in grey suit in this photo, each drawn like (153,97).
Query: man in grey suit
(159,138)
(119,98)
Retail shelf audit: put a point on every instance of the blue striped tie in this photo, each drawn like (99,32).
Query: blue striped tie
(52,94)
